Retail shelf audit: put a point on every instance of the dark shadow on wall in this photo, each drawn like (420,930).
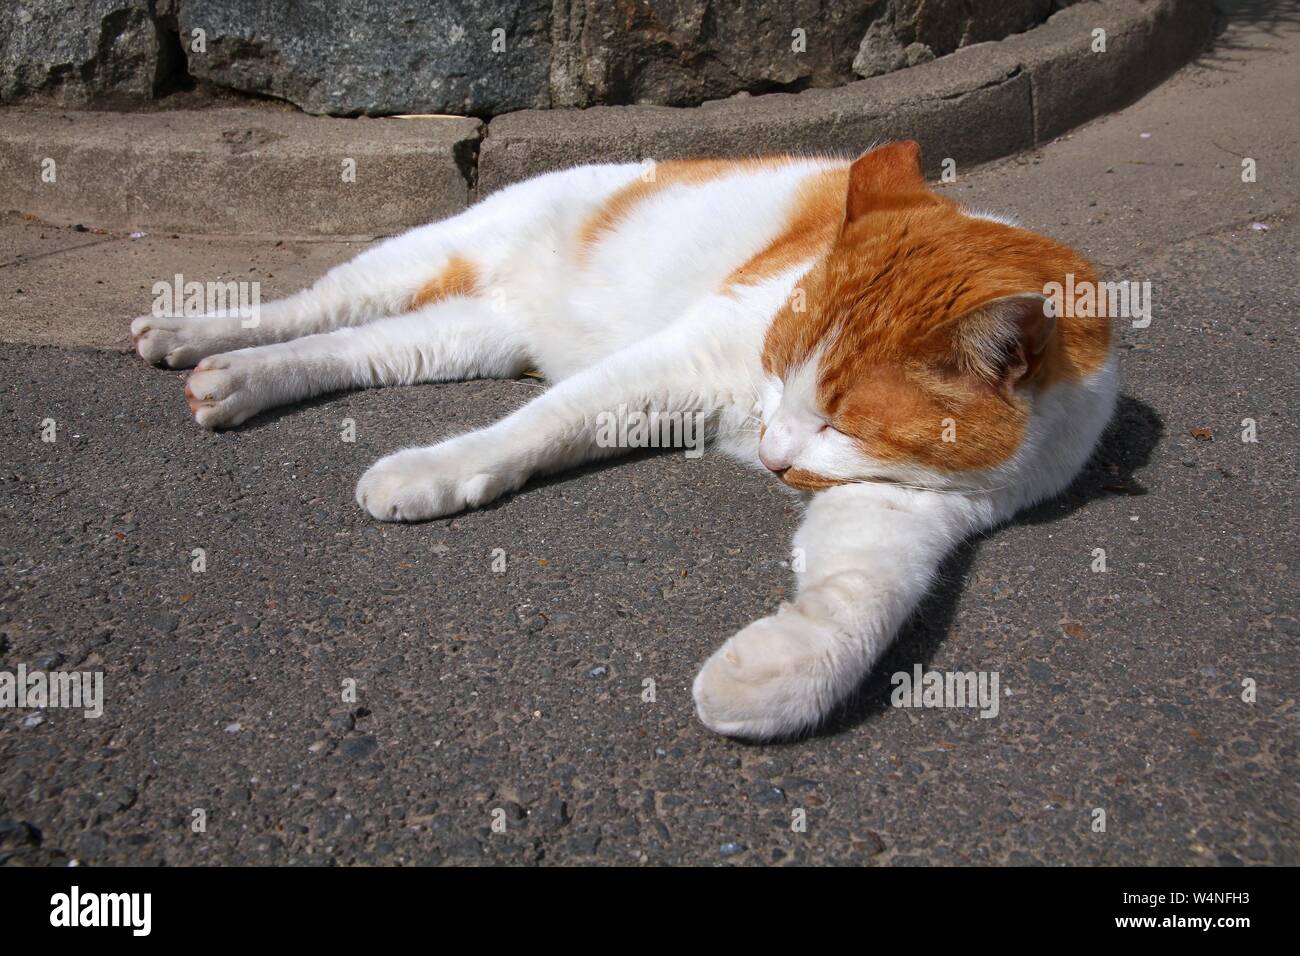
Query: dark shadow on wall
(1124,450)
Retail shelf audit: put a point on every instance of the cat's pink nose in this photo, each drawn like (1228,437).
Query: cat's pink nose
(779,446)
(771,462)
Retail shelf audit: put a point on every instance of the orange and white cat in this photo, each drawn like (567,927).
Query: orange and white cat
(885,352)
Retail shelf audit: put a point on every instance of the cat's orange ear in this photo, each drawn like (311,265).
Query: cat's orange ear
(879,179)
(1005,341)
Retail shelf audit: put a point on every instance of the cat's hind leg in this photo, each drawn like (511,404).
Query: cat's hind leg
(456,257)
(449,341)
(452,258)
(177,339)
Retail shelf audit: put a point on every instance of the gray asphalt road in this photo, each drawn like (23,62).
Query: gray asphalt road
(522,691)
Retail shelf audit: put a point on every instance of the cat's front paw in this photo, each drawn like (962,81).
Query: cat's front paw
(422,483)
(773,679)
(223,390)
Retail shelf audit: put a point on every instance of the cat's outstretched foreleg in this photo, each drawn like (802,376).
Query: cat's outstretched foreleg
(684,375)
(870,552)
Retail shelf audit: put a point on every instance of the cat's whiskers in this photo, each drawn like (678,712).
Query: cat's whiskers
(955,490)
(753,389)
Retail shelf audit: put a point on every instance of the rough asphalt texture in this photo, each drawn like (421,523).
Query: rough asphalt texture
(522,691)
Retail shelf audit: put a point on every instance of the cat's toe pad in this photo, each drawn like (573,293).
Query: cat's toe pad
(423,483)
(773,679)
(220,392)
(159,341)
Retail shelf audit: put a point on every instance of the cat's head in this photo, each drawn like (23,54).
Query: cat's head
(915,348)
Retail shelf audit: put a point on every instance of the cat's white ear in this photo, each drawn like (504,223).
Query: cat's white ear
(1006,340)
(884,177)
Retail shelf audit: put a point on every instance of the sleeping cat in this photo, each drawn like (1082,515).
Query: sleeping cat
(885,353)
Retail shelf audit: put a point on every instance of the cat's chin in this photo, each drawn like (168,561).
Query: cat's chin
(773,680)
(801,480)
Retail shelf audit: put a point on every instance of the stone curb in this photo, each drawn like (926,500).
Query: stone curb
(979,103)
(273,172)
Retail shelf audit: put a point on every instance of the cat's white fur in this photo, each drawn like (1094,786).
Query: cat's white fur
(641,326)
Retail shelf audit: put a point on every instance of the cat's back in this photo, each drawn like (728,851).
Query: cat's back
(629,249)
(693,223)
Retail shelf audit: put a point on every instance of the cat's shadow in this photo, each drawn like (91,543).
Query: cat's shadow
(1125,448)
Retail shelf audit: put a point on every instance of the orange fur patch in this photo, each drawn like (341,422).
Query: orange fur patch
(458,277)
(676,172)
(814,222)
(806,480)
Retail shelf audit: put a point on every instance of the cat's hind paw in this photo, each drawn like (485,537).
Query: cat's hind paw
(422,483)
(154,338)
(774,679)
(180,341)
